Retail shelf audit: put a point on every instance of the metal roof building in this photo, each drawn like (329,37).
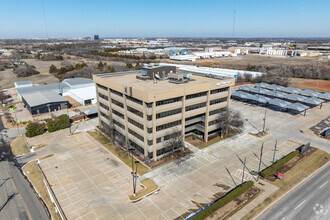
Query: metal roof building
(42,102)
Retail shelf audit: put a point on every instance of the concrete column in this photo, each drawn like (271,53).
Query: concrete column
(154,130)
(98,104)
(228,97)
(183,122)
(145,130)
(125,118)
(206,123)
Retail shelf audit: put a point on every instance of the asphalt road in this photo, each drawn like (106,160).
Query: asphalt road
(310,200)
(17,199)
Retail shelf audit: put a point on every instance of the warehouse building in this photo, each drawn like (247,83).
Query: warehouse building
(147,112)
(42,102)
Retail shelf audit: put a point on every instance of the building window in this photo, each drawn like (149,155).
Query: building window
(117,93)
(168,101)
(104,115)
(104,106)
(213,122)
(104,97)
(150,142)
(216,101)
(117,113)
(117,103)
(149,105)
(149,117)
(217,111)
(168,125)
(133,110)
(169,113)
(196,106)
(219,90)
(133,122)
(118,124)
(102,87)
(196,95)
(149,130)
(134,100)
(136,135)
(137,147)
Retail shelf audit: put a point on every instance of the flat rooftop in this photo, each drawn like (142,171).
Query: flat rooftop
(130,80)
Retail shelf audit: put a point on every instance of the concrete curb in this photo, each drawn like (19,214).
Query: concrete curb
(278,199)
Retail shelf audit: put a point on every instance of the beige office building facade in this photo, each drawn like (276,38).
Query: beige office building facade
(146,114)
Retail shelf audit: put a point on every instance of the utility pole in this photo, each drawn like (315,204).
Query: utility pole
(263,129)
(243,170)
(275,149)
(231,176)
(262,147)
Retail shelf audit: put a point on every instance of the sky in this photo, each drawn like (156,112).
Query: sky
(164,18)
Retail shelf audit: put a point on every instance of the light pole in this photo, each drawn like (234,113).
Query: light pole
(263,129)
(135,177)
(67,110)
(48,105)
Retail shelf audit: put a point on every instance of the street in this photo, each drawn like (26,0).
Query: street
(17,199)
(310,200)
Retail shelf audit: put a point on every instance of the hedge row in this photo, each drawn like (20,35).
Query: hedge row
(266,172)
(239,190)
(35,128)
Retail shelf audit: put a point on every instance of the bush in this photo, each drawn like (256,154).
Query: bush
(34,129)
(239,190)
(58,123)
(266,172)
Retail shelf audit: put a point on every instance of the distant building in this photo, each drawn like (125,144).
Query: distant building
(150,108)
(96,37)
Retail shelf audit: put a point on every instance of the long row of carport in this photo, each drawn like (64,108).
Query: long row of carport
(288,100)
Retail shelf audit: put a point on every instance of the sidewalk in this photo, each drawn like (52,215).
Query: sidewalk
(268,190)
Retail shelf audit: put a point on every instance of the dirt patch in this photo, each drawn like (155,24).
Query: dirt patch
(194,141)
(234,205)
(312,84)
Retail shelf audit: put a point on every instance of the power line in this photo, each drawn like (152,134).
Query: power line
(43,10)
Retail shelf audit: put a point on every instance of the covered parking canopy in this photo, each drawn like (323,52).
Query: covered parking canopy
(260,99)
(263,85)
(279,103)
(246,88)
(308,92)
(298,107)
(314,101)
(325,96)
(241,95)
(290,90)
(295,97)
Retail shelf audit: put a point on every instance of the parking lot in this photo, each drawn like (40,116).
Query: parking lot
(91,183)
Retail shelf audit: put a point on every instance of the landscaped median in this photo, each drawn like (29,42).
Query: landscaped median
(19,146)
(270,170)
(35,176)
(149,187)
(222,201)
(117,151)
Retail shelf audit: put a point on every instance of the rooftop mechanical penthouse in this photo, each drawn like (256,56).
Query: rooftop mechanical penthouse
(147,108)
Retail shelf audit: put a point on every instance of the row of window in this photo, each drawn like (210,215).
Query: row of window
(196,106)
(118,124)
(136,135)
(136,146)
(168,101)
(219,90)
(133,122)
(216,101)
(117,103)
(135,111)
(117,93)
(213,122)
(104,106)
(102,87)
(196,95)
(217,111)
(169,113)
(104,115)
(168,125)
(134,100)
(168,137)
(104,97)
(117,113)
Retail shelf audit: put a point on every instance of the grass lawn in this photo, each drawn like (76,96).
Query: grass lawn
(33,172)
(19,147)
(117,151)
(291,178)
(150,187)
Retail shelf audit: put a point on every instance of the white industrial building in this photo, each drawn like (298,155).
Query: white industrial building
(84,95)
(212,71)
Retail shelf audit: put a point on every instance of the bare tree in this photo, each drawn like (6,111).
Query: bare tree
(175,143)
(230,122)
(3,96)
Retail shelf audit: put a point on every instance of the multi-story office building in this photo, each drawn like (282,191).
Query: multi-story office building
(150,107)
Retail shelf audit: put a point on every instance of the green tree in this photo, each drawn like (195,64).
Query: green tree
(129,65)
(34,129)
(100,66)
(52,69)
